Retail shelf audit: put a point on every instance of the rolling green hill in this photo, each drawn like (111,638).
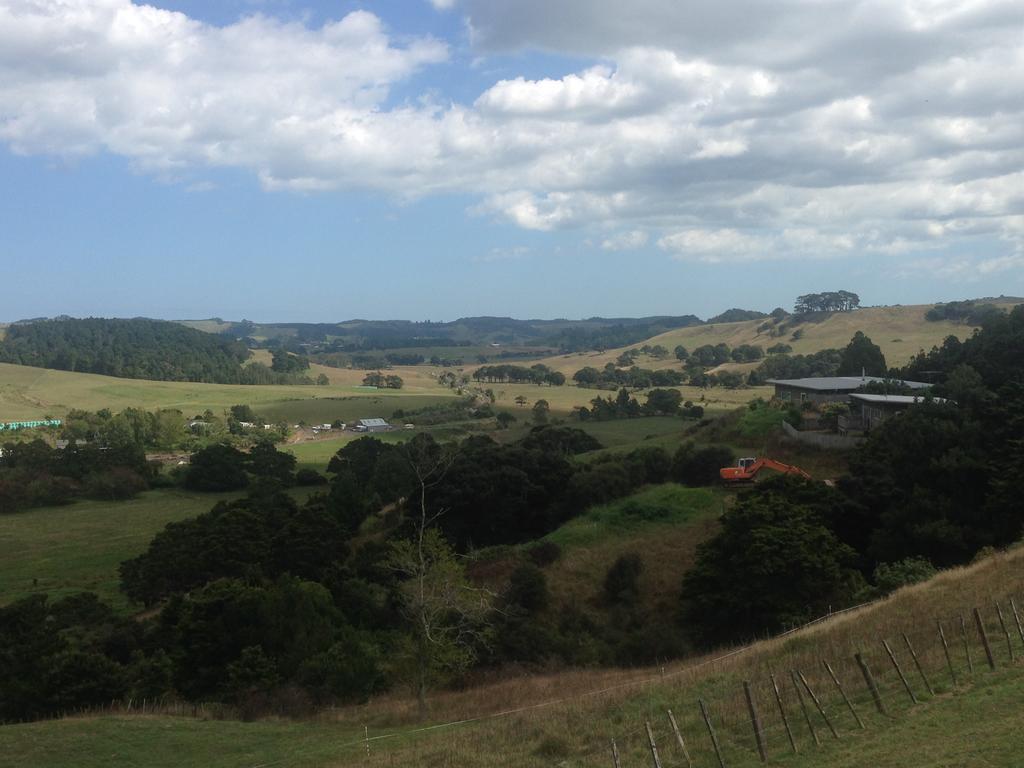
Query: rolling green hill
(900,331)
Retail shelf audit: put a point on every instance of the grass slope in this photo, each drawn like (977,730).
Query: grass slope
(78,547)
(900,331)
(28,393)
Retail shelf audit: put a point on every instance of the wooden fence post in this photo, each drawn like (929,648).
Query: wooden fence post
(1016,617)
(755,722)
(892,658)
(843,694)
(967,645)
(615,755)
(711,732)
(945,649)
(679,738)
(782,713)
(917,663)
(653,746)
(817,704)
(1002,623)
(872,686)
(803,706)
(984,638)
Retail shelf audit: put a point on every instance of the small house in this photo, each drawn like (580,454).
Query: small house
(829,389)
(868,411)
(372,425)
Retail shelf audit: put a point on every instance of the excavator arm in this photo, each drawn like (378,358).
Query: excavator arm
(743,474)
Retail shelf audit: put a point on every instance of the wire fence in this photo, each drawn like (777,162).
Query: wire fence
(725,710)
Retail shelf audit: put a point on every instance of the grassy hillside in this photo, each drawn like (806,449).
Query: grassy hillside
(28,393)
(78,547)
(900,331)
(569,719)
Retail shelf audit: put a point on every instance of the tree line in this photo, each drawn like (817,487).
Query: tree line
(136,349)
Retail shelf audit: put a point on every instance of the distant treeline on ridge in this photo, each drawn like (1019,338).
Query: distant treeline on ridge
(135,349)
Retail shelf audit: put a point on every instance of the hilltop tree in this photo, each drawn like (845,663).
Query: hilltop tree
(829,301)
(862,356)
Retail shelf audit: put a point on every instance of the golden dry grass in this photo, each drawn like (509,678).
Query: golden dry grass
(567,718)
(900,331)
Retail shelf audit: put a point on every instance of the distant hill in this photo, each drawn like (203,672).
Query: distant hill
(364,335)
(133,349)
(900,331)
(736,315)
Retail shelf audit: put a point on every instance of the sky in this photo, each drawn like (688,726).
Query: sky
(281,160)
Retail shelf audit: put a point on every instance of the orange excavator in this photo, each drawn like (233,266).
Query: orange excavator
(746,470)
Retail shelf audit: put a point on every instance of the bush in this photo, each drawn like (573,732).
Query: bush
(622,582)
(116,484)
(699,466)
(544,553)
(889,577)
(309,477)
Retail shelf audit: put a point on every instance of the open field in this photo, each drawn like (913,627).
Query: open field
(561,721)
(78,547)
(900,331)
(29,393)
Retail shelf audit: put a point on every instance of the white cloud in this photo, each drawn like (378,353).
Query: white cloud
(742,130)
(625,241)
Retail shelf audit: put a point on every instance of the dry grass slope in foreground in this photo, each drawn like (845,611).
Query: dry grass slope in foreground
(569,719)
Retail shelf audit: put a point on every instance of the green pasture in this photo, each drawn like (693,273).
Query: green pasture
(657,505)
(30,393)
(78,547)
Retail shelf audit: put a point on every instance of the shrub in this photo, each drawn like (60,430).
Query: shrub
(622,582)
(309,477)
(889,577)
(699,466)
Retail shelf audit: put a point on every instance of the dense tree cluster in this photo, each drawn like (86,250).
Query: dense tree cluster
(33,474)
(613,377)
(825,362)
(517,374)
(135,349)
(382,380)
(968,312)
(829,301)
(286,362)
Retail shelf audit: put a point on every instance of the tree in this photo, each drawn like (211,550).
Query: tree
(445,616)
(504,419)
(862,356)
(663,402)
(793,568)
(218,467)
(322,380)
(541,409)
(699,466)
(520,400)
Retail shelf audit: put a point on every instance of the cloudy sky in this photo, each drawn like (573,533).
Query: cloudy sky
(429,159)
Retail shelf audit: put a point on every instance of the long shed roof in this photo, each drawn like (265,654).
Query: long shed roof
(842,383)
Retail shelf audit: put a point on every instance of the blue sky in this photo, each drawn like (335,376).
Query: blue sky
(431,160)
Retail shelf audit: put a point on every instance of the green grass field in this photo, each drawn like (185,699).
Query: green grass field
(653,507)
(78,547)
(30,393)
